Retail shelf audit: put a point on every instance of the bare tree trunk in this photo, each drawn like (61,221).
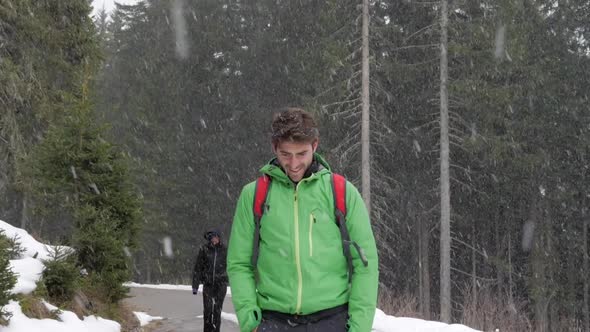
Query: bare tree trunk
(586,271)
(510,270)
(418,222)
(499,254)
(473,267)
(538,268)
(423,268)
(365,141)
(148,274)
(445,194)
(24,213)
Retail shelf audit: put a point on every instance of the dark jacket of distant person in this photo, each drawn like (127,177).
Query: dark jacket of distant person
(210,265)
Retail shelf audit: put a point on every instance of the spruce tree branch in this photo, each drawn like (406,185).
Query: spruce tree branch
(347,140)
(460,167)
(420,63)
(340,103)
(427,124)
(425,3)
(384,175)
(455,138)
(457,145)
(353,112)
(456,116)
(470,275)
(324,92)
(466,185)
(419,31)
(482,253)
(415,46)
(351,148)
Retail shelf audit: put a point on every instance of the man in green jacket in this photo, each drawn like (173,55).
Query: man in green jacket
(301,280)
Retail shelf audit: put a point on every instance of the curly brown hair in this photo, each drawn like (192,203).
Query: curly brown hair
(294,125)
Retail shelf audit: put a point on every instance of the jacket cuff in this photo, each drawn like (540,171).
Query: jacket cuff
(249,318)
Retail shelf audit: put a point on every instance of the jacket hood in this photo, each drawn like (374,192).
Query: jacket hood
(211,233)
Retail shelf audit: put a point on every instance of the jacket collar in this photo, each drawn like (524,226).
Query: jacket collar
(276,172)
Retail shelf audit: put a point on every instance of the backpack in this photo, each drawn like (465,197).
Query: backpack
(339,192)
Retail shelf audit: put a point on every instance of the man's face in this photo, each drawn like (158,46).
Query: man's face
(215,240)
(295,158)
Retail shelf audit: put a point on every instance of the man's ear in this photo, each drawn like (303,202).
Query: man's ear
(315,144)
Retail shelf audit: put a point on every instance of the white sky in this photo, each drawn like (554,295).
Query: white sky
(29,268)
(109,5)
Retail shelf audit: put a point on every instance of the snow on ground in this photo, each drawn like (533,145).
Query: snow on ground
(385,323)
(69,322)
(163,286)
(381,323)
(144,318)
(32,248)
(28,269)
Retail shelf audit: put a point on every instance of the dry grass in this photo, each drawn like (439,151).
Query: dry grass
(84,304)
(128,320)
(405,305)
(488,314)
(152,326)
(491,313)
(119,312)
(34,307)
(81,305)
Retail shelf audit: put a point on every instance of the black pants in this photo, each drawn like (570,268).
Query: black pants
(213,296)
(332,323)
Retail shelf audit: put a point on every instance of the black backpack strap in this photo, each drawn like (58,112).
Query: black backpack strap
(339,191)
(262,186)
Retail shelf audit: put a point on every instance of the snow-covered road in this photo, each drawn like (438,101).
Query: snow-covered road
(181,310)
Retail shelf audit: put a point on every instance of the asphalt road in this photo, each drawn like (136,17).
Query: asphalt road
(182,311)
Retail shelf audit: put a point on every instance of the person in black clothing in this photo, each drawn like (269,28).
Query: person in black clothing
(209,270)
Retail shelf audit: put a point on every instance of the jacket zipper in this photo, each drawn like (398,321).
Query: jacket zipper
(214,261)
(311,222)
(297,254)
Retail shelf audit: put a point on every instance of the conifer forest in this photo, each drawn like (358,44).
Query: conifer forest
(130,133)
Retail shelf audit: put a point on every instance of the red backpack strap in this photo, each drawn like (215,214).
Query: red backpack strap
(339,190)
(261,191)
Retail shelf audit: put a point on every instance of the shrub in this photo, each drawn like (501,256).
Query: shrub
(11,245)
(103,254)
(61,276)
(7,277)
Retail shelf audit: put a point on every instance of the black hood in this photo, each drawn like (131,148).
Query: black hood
(210,234)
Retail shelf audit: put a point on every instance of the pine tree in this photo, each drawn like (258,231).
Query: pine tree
(76,165)
(7,277)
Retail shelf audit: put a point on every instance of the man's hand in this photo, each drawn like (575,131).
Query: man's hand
(256,329)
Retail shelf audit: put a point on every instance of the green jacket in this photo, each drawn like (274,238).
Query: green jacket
(301,266)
